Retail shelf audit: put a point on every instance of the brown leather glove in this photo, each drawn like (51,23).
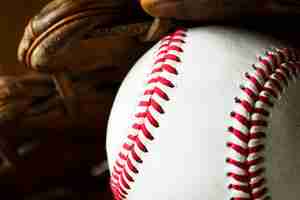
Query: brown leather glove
(31,97)
(62,24)
(32,113)
(219,10)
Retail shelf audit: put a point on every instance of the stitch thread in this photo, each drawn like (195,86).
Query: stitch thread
(130,158)
(262,88)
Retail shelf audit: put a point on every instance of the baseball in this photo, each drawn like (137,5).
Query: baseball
(208,113)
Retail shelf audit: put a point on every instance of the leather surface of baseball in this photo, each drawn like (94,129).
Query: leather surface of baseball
(208,113)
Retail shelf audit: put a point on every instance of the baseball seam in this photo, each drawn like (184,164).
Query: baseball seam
(249,121)
(146,120)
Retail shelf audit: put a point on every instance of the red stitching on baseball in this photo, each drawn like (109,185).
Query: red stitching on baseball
(144,130)
(261,89)
(152,103)
(158,91)
(167,67)
(130,158)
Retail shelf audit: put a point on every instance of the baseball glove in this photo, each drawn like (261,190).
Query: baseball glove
(39,140)
(219,10)
(63,23)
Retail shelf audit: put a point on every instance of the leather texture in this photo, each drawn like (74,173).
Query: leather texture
(219,10)
(64,23)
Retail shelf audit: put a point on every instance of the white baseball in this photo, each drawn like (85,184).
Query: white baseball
(210,113)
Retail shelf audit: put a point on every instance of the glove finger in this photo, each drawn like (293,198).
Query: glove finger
(58,25)
(215,10)
(26,86)
(59,9)
(163,8)
(12,109)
